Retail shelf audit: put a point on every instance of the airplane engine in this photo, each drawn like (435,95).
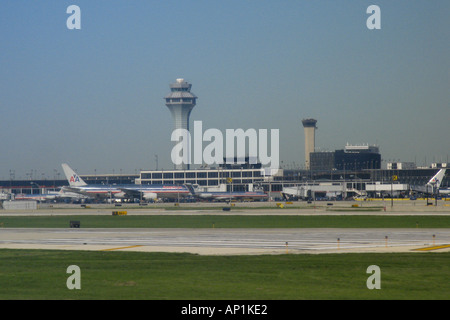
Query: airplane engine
(120,195)
(150,196)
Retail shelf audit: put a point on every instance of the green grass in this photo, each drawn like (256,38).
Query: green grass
(41,274)
(228,221)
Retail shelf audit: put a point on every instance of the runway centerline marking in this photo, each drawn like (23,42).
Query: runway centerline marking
(120,248)
(433,248)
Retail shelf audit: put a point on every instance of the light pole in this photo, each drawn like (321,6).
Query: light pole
(393,178)
(39,187)
(436,190)
(230,181)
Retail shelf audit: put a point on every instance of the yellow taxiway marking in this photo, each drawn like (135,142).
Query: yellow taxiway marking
(433,248)
(121,248)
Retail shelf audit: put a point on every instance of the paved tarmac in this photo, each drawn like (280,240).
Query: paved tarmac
(232,241)
(228,241)
(397,207)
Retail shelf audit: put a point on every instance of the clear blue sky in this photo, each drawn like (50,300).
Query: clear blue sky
(94,97)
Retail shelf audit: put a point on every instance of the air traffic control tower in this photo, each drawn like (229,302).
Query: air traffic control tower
(309,126)
(180,102)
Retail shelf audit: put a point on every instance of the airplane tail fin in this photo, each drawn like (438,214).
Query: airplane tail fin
(437,178)
(73,178)
(190,188)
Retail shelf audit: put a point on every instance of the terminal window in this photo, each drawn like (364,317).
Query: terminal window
(157,175)
(201,175)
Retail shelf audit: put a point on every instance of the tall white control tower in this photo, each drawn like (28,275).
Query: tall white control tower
(180,102)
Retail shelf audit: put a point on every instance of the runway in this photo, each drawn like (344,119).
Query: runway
(229,241)
(219,241)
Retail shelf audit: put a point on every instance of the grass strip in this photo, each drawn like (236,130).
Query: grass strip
(228,221)
(41,274)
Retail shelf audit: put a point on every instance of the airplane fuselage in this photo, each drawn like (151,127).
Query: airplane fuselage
(231,195)
(126,191)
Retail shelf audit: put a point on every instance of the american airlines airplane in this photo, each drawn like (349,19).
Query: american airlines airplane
(226,196)
(433,184)
(123,191)
(38,197)
(51,195)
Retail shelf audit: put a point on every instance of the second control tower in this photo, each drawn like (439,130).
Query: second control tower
(180,102)
(309,126)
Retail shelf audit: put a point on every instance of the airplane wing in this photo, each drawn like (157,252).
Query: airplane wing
(71,192)
(65,193)
(135,193)
(73,189)
(138,193)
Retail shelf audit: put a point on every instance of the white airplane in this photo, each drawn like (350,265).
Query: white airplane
(77,185)
(38,197)
(123,191)
(226,196)
(68,195)
(432,186)
(5,196)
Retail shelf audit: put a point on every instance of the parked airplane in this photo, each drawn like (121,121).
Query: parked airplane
(432,186)
(64,194)
(227,196)
(154,191)
(123,191)
(38,197)
(77,185)
(5,196)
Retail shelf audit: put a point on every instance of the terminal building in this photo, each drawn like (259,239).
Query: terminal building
(240,177)
(356,157)
(325,183)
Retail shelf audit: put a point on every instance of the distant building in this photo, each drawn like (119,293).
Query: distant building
(356,157)
(240,178)
(237,163)
(440,165)
(322,160)
(401,165)
(240,175)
